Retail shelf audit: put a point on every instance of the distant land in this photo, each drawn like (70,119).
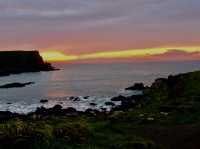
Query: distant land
(14,62)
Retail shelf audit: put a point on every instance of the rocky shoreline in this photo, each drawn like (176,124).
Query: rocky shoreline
(126,103)
(166,116)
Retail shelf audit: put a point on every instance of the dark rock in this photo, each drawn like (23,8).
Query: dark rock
(16,85)
(71,98)
(159,83)
(126,104)
(93,104)
(57,108)
(41,110)
(14,62)
(76,99)
(103,109)
(136,86)
(118,98)
(86,97)
(136,98)
(43,101)
(70,111)
(109,104)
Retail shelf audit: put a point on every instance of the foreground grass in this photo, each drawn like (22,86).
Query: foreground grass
(82,132)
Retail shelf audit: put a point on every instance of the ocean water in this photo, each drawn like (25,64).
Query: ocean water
(98,81)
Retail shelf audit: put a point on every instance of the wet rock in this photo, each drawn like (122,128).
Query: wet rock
(118,98)
(43,101)
(86,97)
(76,99)
(16,85)
(109,103)
(136,86)
(71,98)
(93,104)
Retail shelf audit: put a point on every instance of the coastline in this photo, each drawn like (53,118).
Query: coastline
(137,95)
(164,116)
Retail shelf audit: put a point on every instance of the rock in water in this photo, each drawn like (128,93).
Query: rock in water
(109,103)
(16,85)
(136,86)
(43,101)
(118,98)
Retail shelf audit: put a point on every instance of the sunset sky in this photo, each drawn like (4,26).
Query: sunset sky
(76,30)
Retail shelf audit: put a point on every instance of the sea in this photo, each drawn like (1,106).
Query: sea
(91,83)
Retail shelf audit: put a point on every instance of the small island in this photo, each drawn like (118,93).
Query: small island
(15,85)
(14,62)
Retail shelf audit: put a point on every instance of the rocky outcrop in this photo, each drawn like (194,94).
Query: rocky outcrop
(14,62)
(136,86)
(16,85)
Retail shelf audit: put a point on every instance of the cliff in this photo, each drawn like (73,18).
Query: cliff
(13,62)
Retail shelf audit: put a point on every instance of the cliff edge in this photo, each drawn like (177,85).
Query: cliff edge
(14,62)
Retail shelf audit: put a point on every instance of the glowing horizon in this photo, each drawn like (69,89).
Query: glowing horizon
(57,56)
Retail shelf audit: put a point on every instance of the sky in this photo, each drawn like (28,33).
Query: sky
(79,30)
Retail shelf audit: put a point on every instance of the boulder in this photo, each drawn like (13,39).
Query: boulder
(93,104)
(86,97)
(57,108)
(109,103)
(136,86)
(118,98)
(43,101)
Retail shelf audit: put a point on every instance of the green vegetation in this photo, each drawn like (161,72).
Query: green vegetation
(167,117)
(79,132)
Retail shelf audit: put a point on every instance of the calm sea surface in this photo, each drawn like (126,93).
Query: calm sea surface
(99,81)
